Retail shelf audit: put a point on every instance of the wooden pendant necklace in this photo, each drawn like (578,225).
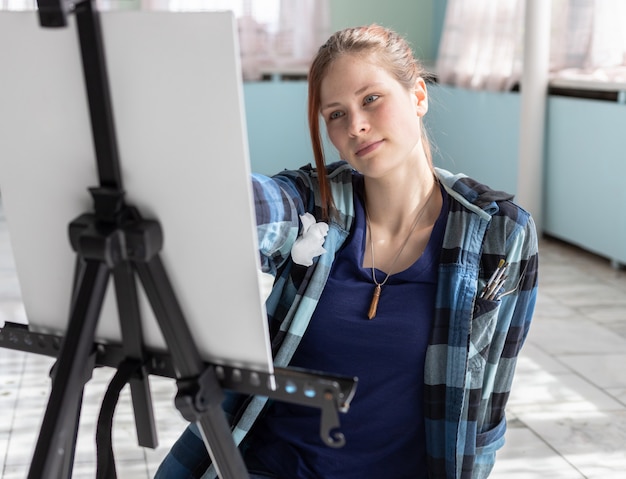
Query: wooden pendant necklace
(378,286)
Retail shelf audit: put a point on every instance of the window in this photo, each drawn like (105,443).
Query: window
(275,35)
(589,41)
(482,41)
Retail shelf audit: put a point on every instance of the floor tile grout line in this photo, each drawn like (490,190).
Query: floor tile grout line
(550,446)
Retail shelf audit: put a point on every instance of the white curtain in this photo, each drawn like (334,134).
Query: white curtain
(276,36)
(481,43)
(480,46)
(589,40)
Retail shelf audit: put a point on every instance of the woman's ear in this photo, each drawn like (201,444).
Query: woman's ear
(421,96)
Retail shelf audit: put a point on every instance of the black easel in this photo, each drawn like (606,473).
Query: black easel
(116,239)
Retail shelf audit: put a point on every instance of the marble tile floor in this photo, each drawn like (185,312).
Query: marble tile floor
(566,415)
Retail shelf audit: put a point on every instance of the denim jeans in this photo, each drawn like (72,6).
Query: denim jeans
(189,455)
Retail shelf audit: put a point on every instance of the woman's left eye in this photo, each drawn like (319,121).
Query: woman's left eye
(370,99)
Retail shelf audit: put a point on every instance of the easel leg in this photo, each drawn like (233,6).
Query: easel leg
(132,336)
(58,429)
(70,447)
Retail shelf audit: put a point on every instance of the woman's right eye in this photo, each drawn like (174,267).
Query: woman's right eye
(334,115)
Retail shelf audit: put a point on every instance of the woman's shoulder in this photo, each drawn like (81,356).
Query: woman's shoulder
(479,197)
(339,171)
(335,171)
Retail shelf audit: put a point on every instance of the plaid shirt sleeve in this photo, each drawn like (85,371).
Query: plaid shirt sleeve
(278,204)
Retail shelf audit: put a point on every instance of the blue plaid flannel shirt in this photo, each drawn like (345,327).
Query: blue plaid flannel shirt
(474,343)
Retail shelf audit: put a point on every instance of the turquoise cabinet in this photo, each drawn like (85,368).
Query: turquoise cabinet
(585,182)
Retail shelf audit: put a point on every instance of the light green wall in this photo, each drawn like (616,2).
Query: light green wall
(414,19)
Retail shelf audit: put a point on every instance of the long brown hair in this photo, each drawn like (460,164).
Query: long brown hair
(392,50)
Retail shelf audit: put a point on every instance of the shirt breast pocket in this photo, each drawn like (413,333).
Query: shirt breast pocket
(484,319)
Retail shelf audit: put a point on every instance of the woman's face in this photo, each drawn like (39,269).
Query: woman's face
(371,118)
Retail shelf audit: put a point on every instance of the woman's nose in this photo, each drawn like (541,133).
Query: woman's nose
(358,124)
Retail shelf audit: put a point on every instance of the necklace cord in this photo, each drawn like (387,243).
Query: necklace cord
(412,230)
(377,290)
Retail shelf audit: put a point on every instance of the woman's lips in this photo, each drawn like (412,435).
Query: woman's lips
(368,148)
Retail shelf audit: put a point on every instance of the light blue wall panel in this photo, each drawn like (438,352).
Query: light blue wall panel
(476,133)
(278,134)
(586,174)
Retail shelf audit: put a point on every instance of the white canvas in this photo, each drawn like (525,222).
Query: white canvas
(178,109)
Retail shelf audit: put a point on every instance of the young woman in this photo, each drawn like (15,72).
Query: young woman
(419,282)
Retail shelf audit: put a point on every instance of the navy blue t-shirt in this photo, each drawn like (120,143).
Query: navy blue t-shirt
(384,428)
